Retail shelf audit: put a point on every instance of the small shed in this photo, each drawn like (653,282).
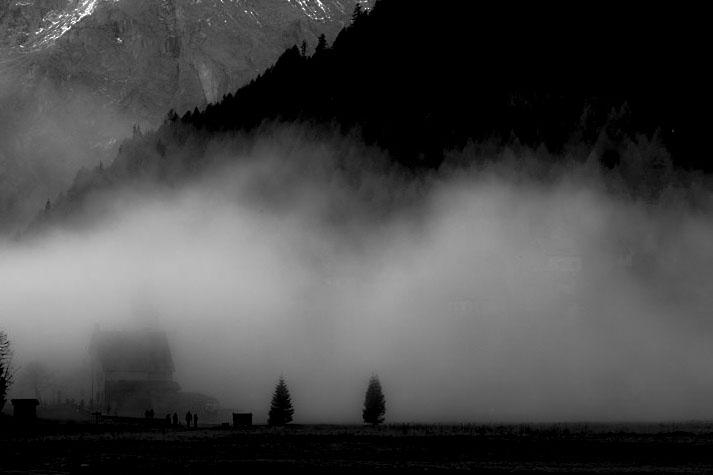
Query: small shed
(242,419)
(25,409)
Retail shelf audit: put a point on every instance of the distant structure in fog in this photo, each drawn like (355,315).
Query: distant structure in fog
(133,371)
(244,419)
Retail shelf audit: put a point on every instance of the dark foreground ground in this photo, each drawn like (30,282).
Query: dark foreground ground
(107,448)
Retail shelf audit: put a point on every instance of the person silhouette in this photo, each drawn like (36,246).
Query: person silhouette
(175,418)
(168,420)
(195,420)
(189,418)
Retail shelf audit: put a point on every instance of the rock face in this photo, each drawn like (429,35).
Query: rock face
(37,23)
(150,55)
(75,75)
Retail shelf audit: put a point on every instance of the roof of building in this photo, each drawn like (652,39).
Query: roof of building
(25,402)
(134,351)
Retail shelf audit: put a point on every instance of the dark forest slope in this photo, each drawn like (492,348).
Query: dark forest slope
(417,81)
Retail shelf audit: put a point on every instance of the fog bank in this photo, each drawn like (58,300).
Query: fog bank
(476,294)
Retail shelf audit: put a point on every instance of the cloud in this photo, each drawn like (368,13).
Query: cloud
(480,293)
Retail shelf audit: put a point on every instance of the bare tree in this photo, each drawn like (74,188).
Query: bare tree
(7,372)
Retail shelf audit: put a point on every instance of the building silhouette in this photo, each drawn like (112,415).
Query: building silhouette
(132,372)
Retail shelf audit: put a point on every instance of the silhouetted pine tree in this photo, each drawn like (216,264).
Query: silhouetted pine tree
(358,12)
(303,48)
(321,44)
(374,404)
(281,410)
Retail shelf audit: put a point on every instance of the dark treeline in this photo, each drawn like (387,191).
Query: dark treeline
(418,79)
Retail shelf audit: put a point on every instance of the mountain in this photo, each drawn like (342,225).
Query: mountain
(151,55)
(109,64)
(419,83)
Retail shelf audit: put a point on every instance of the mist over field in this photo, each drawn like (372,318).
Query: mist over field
(508,290)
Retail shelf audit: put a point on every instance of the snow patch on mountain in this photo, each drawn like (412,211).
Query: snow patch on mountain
(316,9)
(56,23)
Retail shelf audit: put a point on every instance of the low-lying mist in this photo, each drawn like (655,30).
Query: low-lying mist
(484,293)
(40,150)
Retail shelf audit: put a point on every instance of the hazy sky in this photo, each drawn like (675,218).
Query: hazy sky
(476,295)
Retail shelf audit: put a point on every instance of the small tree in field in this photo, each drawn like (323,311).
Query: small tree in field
(374,405)
(281,410)
(6,371)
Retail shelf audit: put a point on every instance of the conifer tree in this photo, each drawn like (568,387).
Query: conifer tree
(281,410)
(374,404)
(358,12)
(321,44)
(303,48)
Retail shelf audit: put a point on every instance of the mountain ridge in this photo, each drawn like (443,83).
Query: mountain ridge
(419,98)
(125,62)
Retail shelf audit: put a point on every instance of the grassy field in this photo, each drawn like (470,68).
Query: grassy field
(543,448)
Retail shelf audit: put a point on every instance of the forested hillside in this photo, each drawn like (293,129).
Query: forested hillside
(420,82)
